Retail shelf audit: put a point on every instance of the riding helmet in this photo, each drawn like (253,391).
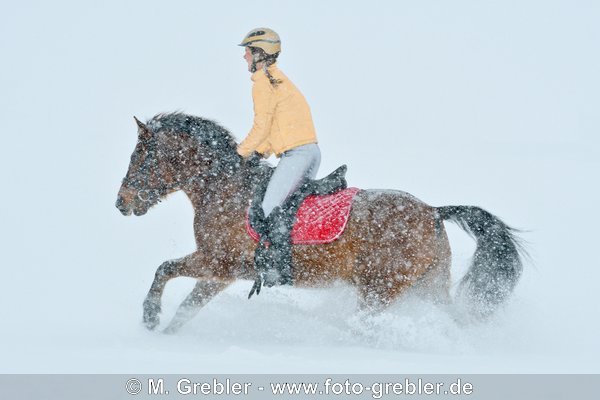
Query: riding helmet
(263,38)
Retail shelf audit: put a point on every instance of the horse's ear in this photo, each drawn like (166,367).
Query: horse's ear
(140,124)
(143,130)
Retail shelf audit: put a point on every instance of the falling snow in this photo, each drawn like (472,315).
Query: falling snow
(454,109)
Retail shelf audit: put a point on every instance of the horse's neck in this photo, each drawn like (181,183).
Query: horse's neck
(218,194)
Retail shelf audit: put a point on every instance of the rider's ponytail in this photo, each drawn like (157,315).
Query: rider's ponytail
(274,81)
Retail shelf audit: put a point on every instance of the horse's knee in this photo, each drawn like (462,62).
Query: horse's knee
(203,292)
(166,269)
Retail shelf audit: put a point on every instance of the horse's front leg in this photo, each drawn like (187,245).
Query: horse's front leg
(194,265)
(202,293)
(167,270)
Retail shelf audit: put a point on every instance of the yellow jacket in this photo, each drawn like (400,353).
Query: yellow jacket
(282,118)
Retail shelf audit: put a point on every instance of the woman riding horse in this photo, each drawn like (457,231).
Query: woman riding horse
(392,242)
(282,125)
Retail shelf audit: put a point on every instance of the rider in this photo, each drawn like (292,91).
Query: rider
(283,125)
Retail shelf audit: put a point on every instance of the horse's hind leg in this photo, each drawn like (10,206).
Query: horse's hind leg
(202,293)
(434,285)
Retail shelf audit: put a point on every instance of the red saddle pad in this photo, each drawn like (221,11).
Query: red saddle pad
(320,219)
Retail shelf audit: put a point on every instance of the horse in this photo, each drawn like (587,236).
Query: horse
(392,241)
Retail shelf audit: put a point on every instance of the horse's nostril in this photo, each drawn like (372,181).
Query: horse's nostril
(121,206)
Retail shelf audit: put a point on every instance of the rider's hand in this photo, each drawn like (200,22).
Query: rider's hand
(254,158)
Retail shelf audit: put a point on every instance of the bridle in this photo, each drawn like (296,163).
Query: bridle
(149,166)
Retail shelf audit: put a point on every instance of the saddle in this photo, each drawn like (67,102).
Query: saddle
(272,258)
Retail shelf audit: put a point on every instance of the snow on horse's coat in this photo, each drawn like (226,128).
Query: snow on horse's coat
(320,219)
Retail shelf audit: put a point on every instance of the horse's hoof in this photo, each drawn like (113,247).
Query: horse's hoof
(151,311)
(151,322)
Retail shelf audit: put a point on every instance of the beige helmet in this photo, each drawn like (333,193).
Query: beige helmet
(264,38)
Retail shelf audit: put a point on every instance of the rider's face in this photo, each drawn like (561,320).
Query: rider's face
(248,58)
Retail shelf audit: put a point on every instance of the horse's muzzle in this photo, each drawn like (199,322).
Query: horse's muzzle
(122,207)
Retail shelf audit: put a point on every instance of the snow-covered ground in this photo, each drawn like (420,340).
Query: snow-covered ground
(492,104)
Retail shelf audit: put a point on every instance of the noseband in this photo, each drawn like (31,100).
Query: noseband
(149,167)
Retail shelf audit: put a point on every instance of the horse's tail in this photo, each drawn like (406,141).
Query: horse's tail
(496,265)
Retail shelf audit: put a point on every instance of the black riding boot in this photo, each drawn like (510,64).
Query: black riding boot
(262,255)
(273,254)
(280,250)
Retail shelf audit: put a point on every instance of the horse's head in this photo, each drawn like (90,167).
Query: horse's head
(154,170)
(174,152)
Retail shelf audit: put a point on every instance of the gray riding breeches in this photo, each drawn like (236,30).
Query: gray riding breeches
(295,166)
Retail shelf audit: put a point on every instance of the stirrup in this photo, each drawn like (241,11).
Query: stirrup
(256,287)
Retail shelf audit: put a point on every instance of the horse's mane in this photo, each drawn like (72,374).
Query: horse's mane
(204,130)
(218,143)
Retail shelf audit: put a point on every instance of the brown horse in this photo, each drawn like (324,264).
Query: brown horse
(392,241)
